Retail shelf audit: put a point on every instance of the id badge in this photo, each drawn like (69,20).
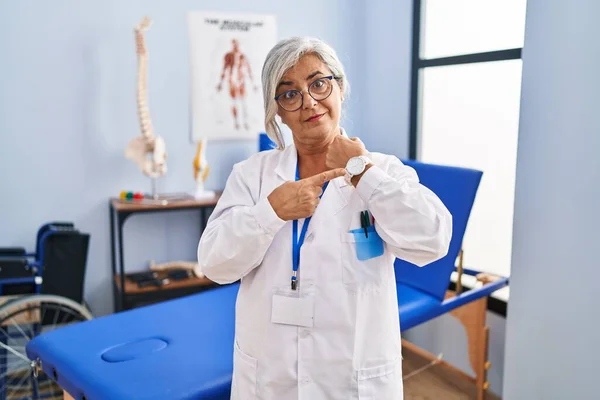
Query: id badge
(298,311)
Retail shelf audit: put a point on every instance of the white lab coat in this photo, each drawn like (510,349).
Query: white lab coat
(353,350)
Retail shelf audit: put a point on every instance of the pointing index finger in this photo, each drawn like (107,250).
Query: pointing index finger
(326,176)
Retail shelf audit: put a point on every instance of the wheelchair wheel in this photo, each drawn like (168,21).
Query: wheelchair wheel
(21,320)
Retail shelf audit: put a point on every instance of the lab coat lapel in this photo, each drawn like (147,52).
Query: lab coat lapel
(286,167)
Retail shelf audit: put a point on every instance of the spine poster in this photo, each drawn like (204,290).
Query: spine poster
(227,55)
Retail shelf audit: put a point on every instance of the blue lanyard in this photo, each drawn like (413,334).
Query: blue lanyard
(298,242)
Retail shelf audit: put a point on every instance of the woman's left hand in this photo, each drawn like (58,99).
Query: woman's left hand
(342,149)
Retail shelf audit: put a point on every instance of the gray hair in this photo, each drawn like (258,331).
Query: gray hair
(280,59)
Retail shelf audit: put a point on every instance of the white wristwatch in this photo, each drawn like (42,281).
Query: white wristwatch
(356,166)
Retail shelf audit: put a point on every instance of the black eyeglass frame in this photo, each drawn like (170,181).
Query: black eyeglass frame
(330,77)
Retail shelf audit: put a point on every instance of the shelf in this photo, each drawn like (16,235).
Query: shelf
(121,205)
(135,296)
(119,211)
(131,288)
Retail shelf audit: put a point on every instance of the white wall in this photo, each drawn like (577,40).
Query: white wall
(552,346)
(386,79)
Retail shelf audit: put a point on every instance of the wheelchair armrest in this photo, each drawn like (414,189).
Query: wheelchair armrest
(13,252)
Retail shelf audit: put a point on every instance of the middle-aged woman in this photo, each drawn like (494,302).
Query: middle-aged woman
(312,231)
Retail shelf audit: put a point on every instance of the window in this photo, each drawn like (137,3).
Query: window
(465,99)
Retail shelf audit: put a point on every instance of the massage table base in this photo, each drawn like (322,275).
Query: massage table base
(473,318)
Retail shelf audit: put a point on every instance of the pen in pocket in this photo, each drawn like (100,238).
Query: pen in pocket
(365,222)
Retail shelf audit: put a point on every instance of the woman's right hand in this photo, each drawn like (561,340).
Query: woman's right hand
(299,199)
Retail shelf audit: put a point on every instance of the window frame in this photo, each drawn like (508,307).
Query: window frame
(418,65)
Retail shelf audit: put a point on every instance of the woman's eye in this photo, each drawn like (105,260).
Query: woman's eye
(289,95)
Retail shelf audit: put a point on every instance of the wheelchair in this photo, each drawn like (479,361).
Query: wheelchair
(39,292)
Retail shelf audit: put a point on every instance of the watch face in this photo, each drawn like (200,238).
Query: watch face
(355,166)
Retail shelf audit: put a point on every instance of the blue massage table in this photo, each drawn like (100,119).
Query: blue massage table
(183,348)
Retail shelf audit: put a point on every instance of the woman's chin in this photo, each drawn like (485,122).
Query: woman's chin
(318,130)
(313,135)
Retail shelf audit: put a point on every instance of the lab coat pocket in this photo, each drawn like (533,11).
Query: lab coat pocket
(368,245)
(362,264)
(244,374)
(383,382)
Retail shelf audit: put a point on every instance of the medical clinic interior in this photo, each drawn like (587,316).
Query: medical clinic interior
(339,200)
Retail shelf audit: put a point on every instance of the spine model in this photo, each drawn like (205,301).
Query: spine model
(148,151)
(142,85)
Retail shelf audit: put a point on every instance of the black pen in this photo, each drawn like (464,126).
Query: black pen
(364,222)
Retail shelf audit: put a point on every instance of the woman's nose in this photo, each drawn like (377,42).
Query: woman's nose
(307,101)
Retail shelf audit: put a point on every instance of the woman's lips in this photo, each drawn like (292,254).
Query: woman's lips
(315,117)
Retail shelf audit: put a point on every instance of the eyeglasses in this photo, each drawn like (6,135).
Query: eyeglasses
(292,100)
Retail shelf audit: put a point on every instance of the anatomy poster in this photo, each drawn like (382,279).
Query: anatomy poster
(227,55)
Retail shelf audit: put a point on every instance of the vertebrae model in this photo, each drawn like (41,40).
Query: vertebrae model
(147,151)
